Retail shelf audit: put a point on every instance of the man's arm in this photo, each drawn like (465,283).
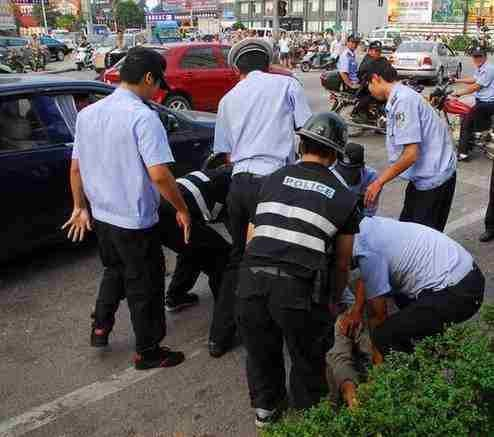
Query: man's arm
(346,79)
(349,324)
(167,186)
(465,80)
(409,156)
(470,89)
(80,220)
(379,313)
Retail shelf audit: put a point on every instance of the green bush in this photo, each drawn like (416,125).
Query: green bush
(445,388)
(460,43)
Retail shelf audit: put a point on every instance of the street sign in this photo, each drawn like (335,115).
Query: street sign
(292,23)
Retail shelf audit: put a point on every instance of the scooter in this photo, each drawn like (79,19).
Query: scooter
(454,110)
(83,58)
(318,61)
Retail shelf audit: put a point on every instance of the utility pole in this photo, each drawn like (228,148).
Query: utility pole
(276,21)
(44,15)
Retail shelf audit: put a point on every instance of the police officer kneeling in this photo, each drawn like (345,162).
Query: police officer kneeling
(303,211)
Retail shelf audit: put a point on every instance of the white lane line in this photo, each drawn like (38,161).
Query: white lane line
(51,411)
(466,220)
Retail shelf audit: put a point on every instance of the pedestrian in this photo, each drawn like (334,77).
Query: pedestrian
(284,44)
(419,148)
(434,281)
(119,162)
(347,63)
(303,211)
(255,127)
(336,47)
(205,194)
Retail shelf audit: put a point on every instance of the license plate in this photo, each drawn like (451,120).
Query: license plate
(408,62)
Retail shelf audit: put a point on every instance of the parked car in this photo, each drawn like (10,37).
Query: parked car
(65,37)
(197,73)
(58,50)
(426,60)
(37,123)
(390,38)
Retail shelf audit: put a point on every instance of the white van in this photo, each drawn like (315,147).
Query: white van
(390,38)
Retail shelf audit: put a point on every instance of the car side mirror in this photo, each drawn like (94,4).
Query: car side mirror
(171,123)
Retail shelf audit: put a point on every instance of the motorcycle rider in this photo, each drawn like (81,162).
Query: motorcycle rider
(347,63)
(482,84)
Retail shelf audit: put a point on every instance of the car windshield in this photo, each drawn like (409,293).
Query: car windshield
(393,34)
(415,46)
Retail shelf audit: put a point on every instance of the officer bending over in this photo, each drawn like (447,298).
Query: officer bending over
(303,211)
(433,279)
(255,127)
(419,147)
(205,194)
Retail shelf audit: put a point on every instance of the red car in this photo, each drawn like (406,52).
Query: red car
(197,73)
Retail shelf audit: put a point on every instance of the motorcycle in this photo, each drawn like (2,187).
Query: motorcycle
(84,58)
(346,103)
(317,61)
(36,60)
(454,110)
(4,68)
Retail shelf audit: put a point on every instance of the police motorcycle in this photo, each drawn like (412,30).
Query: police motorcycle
(453,110)
(318,61)
(84,58)
(345,102)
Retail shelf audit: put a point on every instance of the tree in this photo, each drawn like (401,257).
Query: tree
(128,14)
(66,21)
(51,15)
(466,12)
(238,26)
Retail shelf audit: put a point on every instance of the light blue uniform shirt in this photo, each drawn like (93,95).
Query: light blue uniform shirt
(256,122)
(347,63)
(412,120)
(115,140)
(484,76)
(405,257)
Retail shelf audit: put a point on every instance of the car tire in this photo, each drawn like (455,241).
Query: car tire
(305,67)
(60,55)
(178,103)
(459,70)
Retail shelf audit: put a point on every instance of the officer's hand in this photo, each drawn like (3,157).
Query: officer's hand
(183,220)
(350,324)
(78,224)
(372,193)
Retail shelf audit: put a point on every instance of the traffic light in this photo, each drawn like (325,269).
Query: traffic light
(282,6)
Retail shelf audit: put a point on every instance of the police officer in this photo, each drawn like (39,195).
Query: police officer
(482,84)
(121,132)
(205,194)
(347,63)
(434,281)
(255,127)
(303,212)
(419,147)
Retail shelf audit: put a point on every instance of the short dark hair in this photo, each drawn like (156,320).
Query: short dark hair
(308,145)
(140,61)
(381,67)
(252,61)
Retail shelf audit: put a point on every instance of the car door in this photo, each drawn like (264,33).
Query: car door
(201,77)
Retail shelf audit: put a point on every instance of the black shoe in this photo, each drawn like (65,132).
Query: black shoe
(486,236)
(159,357)
(217,350)
(178,303)
(99,337)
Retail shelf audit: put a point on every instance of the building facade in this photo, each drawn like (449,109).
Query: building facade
(7,20)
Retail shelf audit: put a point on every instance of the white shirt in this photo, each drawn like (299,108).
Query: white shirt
(284,46)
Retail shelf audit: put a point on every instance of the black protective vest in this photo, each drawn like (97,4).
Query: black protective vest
(300,210)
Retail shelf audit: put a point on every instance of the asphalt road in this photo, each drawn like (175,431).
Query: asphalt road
(53,384)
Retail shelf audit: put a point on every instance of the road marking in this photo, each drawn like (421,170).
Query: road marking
(51,411)
(466,220)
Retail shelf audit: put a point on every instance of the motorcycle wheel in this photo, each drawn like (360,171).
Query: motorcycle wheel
(305,67)
(346,114)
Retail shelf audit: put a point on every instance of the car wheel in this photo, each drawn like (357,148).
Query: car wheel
(305,67)
(178,103)
(60,55)
(459,70)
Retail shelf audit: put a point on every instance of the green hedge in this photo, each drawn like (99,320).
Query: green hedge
(460,43)
(445,388)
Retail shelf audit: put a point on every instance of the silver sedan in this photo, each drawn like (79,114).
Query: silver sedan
(426,60)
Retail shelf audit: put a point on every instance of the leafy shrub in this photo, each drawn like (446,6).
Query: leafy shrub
(460,43)
(446,387)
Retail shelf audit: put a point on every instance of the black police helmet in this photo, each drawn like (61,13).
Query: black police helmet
(326,129)
(353,38)
(354,155)
(376,45)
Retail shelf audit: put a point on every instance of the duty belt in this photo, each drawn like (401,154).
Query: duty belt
(275,271)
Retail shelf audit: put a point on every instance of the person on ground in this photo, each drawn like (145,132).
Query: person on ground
(420,150)
(115,133)
(303,212)
(482,86)
(255,128)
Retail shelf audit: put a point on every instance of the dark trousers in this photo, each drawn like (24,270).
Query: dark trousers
(489,216)
(429,207)
(280,310)
(478,119)
(430,314)
(134,268)
(206,252)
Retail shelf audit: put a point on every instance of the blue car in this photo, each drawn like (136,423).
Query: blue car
(37,123)
(58,50)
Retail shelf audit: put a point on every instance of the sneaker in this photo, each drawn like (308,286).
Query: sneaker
(463,157)
(178,303)
(266,417)
(159,357)
(99,337)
